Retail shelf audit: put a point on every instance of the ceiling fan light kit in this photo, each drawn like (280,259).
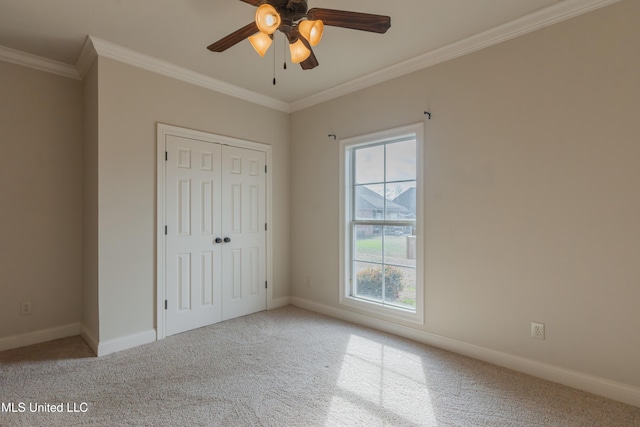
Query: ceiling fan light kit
(299,51)
(261,42)
(303,27)
(311,30)
(267,19)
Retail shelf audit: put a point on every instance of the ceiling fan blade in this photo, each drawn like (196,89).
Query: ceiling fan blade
(253,2)
(311,62)
(234,38)
(352,20)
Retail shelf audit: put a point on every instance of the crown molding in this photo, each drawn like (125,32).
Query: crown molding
(149,63)
(85,60)
(94,47)
(38,63)
(534,21)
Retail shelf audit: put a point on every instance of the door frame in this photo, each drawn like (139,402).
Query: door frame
(164,130)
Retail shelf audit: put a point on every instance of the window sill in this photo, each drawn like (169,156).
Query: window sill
(391,313)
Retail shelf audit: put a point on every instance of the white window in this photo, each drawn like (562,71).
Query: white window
(381,224)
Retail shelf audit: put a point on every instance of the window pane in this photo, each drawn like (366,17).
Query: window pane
(400,286)
(368,281)
(399,246)
(368,243)
(369,201)
(370,165)
(401,201)
(401,161)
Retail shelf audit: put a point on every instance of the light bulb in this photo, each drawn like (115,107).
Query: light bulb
(267,19)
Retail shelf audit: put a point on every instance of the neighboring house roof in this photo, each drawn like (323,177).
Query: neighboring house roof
(369,199)
(407,199)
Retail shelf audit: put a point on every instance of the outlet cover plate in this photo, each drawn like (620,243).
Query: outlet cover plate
(25,308)
(537,330)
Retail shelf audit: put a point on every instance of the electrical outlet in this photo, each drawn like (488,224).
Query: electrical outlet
(309,282)
(537,330)
(25,308)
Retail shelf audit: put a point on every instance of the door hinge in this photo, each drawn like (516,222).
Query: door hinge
(265,284)
(165,304)
(166,156)
(265,226)
(165,230)
(265,168)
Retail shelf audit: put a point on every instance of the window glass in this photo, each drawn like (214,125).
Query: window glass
(370,165)
(401,161)
(368,243)
(383,199)
(369,201)
(401,201)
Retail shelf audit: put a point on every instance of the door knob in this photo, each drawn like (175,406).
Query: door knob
(227,239)
(218,240)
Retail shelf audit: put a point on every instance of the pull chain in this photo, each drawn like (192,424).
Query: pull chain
(274,65)
(284,52)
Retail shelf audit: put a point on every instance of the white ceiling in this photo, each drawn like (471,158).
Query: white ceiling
(178,32)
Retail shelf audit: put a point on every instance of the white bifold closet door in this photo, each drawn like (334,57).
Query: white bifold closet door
(215,261)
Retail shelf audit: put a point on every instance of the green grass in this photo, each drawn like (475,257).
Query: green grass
(395,247)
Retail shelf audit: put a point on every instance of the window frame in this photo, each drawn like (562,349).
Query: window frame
(348,222)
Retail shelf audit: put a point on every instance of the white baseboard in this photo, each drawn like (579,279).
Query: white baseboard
(579,380)
(127,342)
(88,337)
(38,337)
(279,303)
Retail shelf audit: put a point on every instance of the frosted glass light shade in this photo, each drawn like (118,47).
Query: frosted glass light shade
(260,42)
(267,19)
(299,51)
(312,31)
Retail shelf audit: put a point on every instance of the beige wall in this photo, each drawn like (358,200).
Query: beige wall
(41,207)
(531,192)
(131,102)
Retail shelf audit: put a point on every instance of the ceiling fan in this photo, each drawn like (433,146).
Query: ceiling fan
(303,27)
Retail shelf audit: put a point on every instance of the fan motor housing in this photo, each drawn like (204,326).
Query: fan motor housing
(290,10)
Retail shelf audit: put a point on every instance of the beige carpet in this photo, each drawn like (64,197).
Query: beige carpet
(287,367)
